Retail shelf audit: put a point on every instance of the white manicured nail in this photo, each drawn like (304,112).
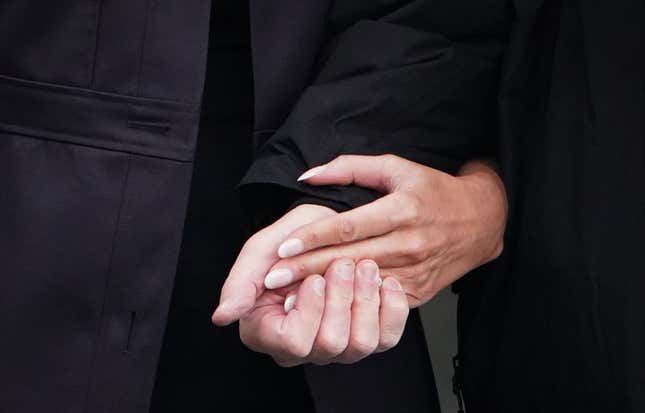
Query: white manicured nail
(290,247)
(319,286)
(311,173)
(278,278)
(289,303)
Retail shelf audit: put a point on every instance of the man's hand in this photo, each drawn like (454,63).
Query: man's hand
(340,318)
(429,230)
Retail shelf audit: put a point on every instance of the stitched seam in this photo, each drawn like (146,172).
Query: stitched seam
(58,89)
(99,14)
(129,148)
(101,322)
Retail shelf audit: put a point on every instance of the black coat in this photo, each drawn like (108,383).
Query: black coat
(558,325)
(99,114)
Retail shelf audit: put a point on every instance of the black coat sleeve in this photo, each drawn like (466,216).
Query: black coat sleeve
(399,84)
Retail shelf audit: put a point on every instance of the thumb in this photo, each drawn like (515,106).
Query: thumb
(242,287)
(380,172)
(245,282)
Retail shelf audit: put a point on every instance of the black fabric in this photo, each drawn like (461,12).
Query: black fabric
(94,189)
(192,368)
(557,325)
(204,368)
(402,377)
(96,160)
(97,156)
(415,78)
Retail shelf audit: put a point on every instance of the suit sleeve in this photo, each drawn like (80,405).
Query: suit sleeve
(383,87)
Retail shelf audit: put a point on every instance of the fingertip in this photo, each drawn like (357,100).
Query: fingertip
(368,270)
(345,268)
(319,285)
(290,303)
(291,247)
(311,173)
(392,284)
(220,318)
(278,278)
(227,313)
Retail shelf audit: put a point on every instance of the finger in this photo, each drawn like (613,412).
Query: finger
(381,172)
(241,287)
(300,326)
(364,330)
(376,218)
(245,281)
(333,335)
(290,302)
(287,337)
(393,314)
(396,249)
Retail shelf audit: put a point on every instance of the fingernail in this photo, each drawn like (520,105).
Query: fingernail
(289,303)
(278,278)
(290,247)
(319,286)
(392,284)
(368,270)
(346,270)
(311,173)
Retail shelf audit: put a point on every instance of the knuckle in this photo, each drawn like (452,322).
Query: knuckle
(366,301)
(411,208)
(389,341)
(345,229)
(251,243)
(295,346)
(389,159)
(310,238)
(363,345)
(300,268)
(417,248)
(341,158)
(330,346)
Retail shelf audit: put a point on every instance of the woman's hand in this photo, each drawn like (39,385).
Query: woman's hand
(429,230)
(339,318)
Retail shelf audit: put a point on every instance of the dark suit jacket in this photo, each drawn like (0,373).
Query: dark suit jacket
(557,325)
(99,111)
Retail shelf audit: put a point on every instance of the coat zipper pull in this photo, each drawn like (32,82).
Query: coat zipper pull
(457,384)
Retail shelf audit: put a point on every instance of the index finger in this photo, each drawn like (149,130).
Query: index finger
(376,218)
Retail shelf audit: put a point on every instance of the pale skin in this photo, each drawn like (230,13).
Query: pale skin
(428,230)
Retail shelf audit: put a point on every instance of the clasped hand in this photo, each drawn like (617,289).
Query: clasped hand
(428,230)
